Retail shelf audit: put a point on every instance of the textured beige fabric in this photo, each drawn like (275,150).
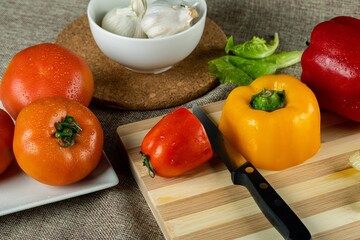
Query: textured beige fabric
(121,212)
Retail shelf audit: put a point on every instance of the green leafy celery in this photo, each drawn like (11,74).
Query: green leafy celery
(250,60)
(225,71)
(255,48)
(242,71)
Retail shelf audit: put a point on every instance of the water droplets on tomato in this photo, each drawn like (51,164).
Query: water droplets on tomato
(72,92)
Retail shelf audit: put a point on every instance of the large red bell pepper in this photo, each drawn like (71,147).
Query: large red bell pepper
(331,66)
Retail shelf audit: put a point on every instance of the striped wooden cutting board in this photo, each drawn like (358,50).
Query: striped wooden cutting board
(204,204)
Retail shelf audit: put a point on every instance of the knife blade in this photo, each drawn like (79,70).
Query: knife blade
(279,214)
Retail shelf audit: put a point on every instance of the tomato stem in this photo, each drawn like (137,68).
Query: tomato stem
(66,131)
(148,165)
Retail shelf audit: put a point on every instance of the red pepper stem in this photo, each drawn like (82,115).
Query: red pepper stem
(148,165)
(268,100)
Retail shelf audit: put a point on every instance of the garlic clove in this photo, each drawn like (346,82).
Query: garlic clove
(126,21)
(120,21)
(163,19)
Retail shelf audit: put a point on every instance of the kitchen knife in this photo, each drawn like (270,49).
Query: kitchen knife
(244,173)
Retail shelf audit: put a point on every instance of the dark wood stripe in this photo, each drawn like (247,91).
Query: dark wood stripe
(257,222)
(230,194)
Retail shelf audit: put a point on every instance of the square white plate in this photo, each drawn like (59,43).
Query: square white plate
(18,191)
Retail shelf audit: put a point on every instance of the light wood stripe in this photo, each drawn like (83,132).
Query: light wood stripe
(305,202)
(255,226)
(334,218)
(304,191)
(340,223)
(203,204)
(345,232)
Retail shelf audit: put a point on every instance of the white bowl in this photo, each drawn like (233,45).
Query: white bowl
(140,54)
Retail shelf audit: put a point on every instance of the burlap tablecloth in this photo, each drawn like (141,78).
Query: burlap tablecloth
(121,212)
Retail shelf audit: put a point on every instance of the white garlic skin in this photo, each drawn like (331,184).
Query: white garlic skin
(126,21)
(162,19)
(139,6)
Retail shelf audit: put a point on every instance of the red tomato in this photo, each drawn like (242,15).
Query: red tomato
(45,70)
(57,141)
(6,140)
(176,144)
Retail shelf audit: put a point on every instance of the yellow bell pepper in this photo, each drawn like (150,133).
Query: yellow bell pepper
(274,122)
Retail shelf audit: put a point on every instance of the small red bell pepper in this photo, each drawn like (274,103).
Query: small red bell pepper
(176,144)
(331,66)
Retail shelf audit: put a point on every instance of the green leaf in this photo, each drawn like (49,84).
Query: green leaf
(255,48)
(250,60)
(253,68)
(222,69)
(284,59)
(242,71)
(229,44)
(269,65)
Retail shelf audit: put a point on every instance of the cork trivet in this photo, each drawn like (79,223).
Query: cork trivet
(116,86)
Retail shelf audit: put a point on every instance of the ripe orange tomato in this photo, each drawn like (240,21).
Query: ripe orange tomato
(45,70)
(57,141)
(6,139)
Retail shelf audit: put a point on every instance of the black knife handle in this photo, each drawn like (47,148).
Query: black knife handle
(271,204)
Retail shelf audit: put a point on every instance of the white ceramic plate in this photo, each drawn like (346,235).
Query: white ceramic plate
(18,191)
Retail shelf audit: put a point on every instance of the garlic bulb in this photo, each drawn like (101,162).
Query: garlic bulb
(126,21)
(164,19)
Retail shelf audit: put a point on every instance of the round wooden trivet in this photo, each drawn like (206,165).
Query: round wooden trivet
(116,86)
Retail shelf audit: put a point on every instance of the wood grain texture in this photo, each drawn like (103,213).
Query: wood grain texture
(204,204)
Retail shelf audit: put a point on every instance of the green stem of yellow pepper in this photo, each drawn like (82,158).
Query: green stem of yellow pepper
(268,100)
